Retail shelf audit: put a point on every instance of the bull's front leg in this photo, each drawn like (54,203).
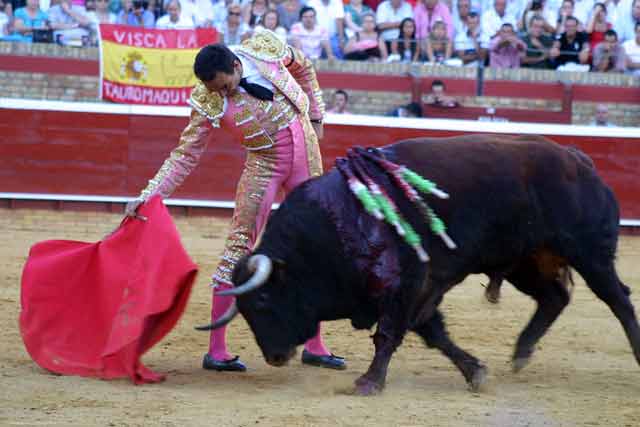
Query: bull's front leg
(386,340)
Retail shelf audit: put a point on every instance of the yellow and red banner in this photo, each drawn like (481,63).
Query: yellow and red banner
(148,66)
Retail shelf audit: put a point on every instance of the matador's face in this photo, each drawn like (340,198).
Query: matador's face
(226,84)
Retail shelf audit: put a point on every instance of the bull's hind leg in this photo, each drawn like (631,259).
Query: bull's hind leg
(604,282)
(435,335)
(551,295)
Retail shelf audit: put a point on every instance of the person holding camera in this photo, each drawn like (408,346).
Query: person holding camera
(70,23)
(609,56)
(136,14)
(506,49)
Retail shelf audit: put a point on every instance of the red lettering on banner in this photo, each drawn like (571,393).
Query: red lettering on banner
(145,95)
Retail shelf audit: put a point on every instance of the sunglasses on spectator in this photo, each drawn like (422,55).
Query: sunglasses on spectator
(234,13)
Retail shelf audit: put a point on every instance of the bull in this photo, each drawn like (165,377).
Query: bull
(522,208)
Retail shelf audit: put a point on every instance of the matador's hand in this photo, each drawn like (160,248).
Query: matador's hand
(318,127)
(132,208)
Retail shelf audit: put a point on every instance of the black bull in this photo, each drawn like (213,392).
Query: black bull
(522,208)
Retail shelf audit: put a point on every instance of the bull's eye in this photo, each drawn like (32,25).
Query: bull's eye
(262,302)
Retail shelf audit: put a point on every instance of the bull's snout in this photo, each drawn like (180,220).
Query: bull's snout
(282,359)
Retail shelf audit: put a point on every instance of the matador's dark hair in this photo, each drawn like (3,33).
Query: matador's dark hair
(213,59)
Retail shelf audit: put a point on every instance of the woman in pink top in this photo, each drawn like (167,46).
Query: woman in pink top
(366,44)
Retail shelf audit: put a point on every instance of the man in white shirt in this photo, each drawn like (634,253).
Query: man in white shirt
(330,16)
(632,51)
(493,19)
(173,19)
(582,10)
(388,17)
(626,24)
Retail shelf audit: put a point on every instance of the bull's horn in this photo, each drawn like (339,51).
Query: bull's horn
(262,266)
(222,320)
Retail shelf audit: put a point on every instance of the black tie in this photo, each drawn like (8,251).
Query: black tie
(256,90)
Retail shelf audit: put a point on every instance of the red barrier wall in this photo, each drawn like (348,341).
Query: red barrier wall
(115,154)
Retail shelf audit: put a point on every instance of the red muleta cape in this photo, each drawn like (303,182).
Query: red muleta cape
(93,309)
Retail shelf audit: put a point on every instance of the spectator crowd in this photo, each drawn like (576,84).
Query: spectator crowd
(544,34)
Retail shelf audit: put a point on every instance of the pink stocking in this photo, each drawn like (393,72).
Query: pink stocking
(316,345)
(217,342)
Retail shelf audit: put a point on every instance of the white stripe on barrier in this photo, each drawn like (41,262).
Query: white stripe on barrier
(341,119)
(169,202)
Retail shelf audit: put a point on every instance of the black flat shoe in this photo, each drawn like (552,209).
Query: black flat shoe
(331,361)
(232,365)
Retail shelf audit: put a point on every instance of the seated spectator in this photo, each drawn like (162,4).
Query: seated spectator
(565,11)
(353,13)
(100,13)
(234,30)
(467,44)
(307,36)
(135,13)
(598,25)
(6,19)
(602,117)
(506,50)
(438,97)
(270,22)
(203,12)
(438,47)
(626,23)
(366,44)
(427,14)
(340,101)
(173,19)
(412,109)
(219,12)
(406,47)
(289,13)
(609,56)
(459,16)
(538,53)
(572,46)
(70,23)
(254,12)
(632,51)
(330,16)
(28,19)
(493,18)
(582,10)
(538,8)
(389,15)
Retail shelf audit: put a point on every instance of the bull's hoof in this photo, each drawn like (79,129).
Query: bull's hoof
(367,387)
(492,295)
(519,363)
(478,379)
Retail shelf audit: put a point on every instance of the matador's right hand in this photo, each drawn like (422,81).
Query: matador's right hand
(132,209)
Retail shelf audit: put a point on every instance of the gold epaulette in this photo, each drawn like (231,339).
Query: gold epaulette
(207,103)
(264,45)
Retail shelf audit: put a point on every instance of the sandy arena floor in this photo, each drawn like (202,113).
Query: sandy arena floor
(583,373)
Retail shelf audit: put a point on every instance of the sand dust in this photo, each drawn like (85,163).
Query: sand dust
(582,374)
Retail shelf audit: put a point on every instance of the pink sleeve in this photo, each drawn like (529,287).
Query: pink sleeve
(301,68)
